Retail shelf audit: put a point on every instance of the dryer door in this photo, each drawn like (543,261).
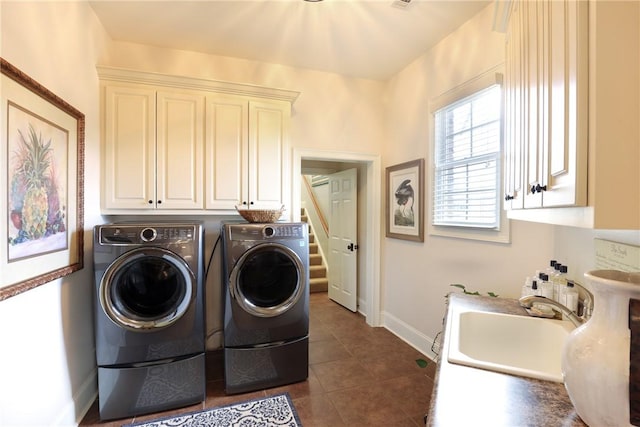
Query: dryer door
(147,288)
(267,280)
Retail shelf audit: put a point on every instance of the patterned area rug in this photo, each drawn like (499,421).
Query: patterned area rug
(272,411)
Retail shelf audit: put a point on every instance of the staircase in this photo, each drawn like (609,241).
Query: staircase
(319,282)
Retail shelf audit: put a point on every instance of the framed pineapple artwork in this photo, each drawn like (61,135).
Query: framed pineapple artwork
(42,200)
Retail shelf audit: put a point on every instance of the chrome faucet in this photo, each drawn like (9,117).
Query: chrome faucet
(587,305)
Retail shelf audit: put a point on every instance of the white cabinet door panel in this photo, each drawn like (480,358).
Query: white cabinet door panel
(227,129)
(129,148)
(267,153)
(180,150)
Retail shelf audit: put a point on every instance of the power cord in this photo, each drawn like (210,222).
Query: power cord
(213,251)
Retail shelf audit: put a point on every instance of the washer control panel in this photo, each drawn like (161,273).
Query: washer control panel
(268,231)
(137,234)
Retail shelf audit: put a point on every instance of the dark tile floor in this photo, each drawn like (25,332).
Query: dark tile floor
(358,376)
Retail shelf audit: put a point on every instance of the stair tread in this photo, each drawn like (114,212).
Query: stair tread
(318,285)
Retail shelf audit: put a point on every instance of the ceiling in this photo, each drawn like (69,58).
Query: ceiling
(371,39)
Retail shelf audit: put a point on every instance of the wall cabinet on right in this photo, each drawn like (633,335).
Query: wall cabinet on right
(572,113)
(246,152)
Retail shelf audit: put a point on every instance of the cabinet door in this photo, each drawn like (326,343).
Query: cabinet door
(180,150)
(547,105)
(514,118)
(129,147)
(268,158)
(535,119)
(567,88)
(226,151)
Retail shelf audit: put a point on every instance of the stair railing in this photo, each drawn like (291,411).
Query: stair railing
(316,205)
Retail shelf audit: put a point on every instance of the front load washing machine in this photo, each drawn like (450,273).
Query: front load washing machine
(149,317)
(266,315)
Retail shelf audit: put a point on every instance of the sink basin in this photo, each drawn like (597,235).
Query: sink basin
(519,345)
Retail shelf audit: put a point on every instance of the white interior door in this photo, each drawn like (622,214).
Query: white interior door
(343,259)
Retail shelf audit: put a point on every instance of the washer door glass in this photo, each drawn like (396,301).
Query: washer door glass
(147,288)
(268,279)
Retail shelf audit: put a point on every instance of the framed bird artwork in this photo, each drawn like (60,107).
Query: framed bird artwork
(404,201)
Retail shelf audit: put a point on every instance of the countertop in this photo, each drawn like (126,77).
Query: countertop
(466,396)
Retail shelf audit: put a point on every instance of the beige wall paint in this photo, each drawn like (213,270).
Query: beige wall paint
(416,276)
(46,334)
(332,111)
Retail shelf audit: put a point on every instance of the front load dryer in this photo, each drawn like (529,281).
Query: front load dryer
(266,315)
(149,317)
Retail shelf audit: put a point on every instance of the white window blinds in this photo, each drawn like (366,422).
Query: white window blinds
(467,161)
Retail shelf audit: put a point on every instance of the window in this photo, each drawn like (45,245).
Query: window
(466,161)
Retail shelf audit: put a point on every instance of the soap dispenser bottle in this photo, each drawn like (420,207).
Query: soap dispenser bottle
(546,288)
(552,268)
(526,288)
(570,297)
(560,284)
(534,288)
(559,281)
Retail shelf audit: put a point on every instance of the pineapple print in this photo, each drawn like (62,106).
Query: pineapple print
(34,160)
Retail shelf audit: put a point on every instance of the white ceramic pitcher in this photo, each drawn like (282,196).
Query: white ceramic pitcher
(595,361)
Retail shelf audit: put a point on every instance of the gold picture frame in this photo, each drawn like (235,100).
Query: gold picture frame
(404,201)
(42,187)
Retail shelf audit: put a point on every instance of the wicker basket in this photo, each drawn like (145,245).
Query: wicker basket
(260,215)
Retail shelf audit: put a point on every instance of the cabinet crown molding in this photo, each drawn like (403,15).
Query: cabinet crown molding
(194,83)
(501,15)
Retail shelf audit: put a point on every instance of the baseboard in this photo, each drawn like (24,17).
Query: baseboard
(409,334)
(81,403)
(362,307)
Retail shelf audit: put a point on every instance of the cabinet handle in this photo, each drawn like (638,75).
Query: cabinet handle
(538,188)
(159,201)
(150,202)
(508,197)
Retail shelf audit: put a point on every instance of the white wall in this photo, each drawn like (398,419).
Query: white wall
(47,360)
(575,247)
(332,111)
(416,276)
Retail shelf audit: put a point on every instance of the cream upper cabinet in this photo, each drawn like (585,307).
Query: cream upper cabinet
(572,103)
(247,142)
(180,150)
(153,148)
(513,114)
(268,154)
(177,145)
(546,104)
(129,151)
(226,151)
